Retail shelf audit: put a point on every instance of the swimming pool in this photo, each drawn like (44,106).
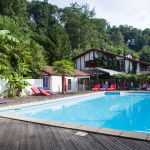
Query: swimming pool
(119,110)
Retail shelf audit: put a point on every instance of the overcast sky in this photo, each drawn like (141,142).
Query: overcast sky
(134,13)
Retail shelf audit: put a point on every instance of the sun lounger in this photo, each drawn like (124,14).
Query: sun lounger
(2,101)
(97,86)
(148,89)
(37,92)
(42,90)
(104,87)
(112,87)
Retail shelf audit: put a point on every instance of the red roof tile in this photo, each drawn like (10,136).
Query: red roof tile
(49,71)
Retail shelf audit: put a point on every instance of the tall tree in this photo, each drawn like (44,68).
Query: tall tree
(77,23)
(117,39)
(42,13)
(145,54)
(57,45)
(64,68)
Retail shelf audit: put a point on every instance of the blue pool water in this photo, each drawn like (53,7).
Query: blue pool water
(122,111)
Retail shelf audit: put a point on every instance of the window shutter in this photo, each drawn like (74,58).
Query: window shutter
(87,64)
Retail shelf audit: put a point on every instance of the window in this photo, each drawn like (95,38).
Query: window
(92,63)
(120,65)
(97,63)
(69,84)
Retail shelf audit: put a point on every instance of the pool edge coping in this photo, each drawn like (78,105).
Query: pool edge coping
(99,130)
(86,128)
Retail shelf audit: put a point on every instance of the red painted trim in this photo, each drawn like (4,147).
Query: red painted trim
(148,64)
(119,59)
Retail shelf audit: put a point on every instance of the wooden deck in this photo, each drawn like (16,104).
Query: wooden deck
(20,135)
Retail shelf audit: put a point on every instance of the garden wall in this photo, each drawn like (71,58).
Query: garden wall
(33,82)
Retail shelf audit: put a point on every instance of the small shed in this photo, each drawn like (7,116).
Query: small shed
(53,82)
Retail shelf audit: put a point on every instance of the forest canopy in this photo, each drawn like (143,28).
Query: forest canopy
(47,33)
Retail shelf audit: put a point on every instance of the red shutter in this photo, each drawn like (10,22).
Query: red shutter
(87,64)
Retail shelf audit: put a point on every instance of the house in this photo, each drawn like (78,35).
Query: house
(87,60)
(53,82)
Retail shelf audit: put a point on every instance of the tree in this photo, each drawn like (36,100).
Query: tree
(57,45)
(37,61)
(117,39)
(42,13)
(63,68)
(145,54)
(77,22)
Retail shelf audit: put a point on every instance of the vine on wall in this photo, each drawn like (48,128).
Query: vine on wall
(134,67)
(108,61)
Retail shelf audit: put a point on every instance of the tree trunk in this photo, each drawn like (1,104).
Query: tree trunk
(19,91)
(63,77)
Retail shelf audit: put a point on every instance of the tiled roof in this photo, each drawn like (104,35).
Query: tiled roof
(49,71)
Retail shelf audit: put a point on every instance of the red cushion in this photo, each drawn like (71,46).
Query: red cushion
(35,90)
(45,93)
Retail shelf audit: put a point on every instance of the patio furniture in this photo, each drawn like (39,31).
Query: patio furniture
(104,87)
(136,89)
(2,101)
(42,90)
(148,89)
(96,87)
(37,92)
(112,87)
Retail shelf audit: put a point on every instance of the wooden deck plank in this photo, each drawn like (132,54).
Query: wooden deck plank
(53,141)
(45,137)
(59,139)
(68,138)
(5,133)
(31,136)
(11,136)
(136,144)
(38,140)
(16,135)
(23,140)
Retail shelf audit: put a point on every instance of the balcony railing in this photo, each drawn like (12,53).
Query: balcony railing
(121,68)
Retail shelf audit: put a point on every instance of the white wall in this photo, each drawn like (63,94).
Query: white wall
(78,63)
(117,57)
(87,57)
(82,62)
(34,82)
(91,55)
(126,66)
(131,66)
(96,56)
(138,68)
(3,86)
(56,83)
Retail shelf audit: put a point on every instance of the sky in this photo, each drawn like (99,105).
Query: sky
(134,13)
